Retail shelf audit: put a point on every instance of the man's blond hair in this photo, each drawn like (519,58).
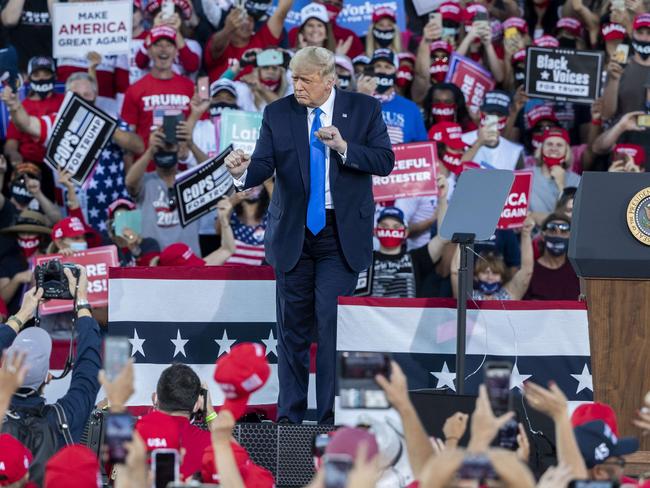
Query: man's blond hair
(317,57)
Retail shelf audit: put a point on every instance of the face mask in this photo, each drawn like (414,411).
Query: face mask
(487,288)
(42,87)
(449,32)
(390,238)
(20,193)
(550,161)
(452,162)
(642,48)
(217,108)
(443,112)
(404,77)
(78,246)
(438,70)
(384,82)
(165,159)
(253,195)
(556,246)
(333,11)
(344,81)
(28,245)
(383,37)
(270,84)
(567,42)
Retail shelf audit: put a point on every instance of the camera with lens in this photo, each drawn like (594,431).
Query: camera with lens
(52,279)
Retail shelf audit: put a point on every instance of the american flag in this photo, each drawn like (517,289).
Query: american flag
(249,242)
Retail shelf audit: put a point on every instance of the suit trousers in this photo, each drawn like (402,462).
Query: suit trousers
(306,310)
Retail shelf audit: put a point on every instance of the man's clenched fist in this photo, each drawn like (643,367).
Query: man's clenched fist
(237,162)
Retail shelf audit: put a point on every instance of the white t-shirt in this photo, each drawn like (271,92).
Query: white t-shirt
(504,156)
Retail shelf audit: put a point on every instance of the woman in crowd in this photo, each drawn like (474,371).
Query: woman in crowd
(383,32)
(315,28)
(446,103)
(491,280)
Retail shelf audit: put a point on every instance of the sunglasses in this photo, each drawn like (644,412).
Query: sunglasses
(558,226)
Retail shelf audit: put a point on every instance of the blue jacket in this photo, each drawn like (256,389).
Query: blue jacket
(283,148)
(80,399)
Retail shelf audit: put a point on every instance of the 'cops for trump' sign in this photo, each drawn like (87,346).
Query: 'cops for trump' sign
(563,74)
(199,189)
(80,132)
(80,27)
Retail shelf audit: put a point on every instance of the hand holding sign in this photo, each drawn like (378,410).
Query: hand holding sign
(237,162)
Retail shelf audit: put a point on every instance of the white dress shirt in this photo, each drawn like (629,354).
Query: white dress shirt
(326,116)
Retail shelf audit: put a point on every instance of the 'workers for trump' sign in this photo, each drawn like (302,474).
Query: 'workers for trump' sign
(104,27)
(96,261)
(199,189)
(80,132)
(414,174)
(516,207)
(563,74)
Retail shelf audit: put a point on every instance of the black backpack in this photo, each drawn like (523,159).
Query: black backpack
(30,426)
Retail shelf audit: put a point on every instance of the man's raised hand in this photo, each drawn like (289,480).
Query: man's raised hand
(237,162)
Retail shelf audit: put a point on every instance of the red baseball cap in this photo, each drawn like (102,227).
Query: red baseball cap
(15,460)
(641,21)
(383,13)
(556,132)
(516,22)
(68,227)
(518,57)
(241,372)
(185,7)
(546,41)
(538,113)
(471,10)
(571,25)
(159,431)
(613,31)
(73,467)
(160,32)
(448,133)
(588,412)
(440,45)
(406,57)
(117,204)
(209,471)
(451,11)
(347,440)
(634,150)
(179,254)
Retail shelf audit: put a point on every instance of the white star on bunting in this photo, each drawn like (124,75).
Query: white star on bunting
(136,344)
(445,377)
(179,344)
(585,380)
(517,379)
(271,344)
(224,343)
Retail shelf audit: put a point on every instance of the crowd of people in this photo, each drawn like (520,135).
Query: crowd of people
(244,50)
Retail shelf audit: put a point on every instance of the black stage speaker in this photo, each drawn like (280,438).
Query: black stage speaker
(285,450)
(434,407)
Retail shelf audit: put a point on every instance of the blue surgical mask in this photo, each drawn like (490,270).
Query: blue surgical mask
(77,246)
(487,288)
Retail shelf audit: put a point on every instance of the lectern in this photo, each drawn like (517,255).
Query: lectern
(610,249)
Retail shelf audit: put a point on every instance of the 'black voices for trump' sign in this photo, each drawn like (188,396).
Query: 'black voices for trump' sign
(563,74)
(199,189)
(80,133)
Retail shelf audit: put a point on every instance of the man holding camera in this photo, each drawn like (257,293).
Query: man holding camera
(46,428)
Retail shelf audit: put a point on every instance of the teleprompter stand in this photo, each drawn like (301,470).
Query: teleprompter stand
(473,214)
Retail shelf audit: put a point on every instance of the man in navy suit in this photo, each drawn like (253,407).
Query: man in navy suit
(323,145)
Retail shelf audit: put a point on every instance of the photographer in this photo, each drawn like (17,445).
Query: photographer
(154,192)
(63,422)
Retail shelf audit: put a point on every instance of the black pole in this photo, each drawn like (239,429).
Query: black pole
(464,241)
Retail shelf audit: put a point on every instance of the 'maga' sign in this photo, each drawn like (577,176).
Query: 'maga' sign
(563,74)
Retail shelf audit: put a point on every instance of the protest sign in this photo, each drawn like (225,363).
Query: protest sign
(80,27)
(96,261)
(565,75)
(241,129)
(199,189)
(414,173)
(80,133)
(356,15)
(516,206)
(472,79)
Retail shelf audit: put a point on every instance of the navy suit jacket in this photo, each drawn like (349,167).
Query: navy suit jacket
(283,147)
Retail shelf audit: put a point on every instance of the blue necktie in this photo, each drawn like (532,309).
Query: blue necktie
(316,205)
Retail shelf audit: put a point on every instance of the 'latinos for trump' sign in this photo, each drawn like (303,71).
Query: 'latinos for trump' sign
(80,132)
(515,209)
(199,189)
(414,173)
(103,27)
(563,74)
(241,129)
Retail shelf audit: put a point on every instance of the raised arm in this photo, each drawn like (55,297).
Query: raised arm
(10,15)
(276,22)
(518,285)
(135,173)
(228,246)
(437,244)
(22,120)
